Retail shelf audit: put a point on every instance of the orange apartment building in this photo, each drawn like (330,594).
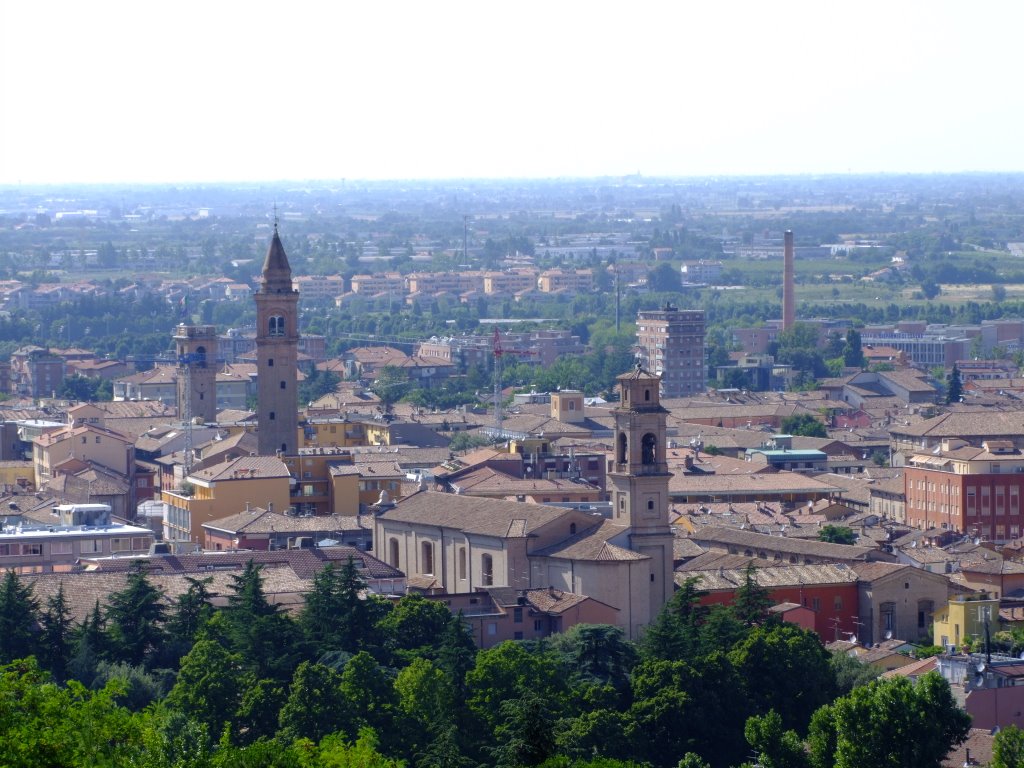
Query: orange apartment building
(970,490)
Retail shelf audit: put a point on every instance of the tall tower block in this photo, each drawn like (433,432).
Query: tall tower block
(195,346)
(638,482)
(788,297)
(277,349)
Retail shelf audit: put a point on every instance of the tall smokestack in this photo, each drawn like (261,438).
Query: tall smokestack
(788,297)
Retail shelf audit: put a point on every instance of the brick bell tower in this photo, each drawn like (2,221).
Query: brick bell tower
(277,348)
(196,349)
(639,479)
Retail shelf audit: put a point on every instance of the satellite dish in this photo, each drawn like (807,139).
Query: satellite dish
(888,634)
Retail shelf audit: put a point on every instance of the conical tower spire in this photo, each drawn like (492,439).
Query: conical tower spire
(275,266)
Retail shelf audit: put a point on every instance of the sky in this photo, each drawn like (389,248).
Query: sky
(222,91)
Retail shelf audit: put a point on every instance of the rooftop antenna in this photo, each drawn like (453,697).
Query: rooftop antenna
(275,216)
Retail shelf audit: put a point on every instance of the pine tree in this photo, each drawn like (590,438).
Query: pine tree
(90,646)
(191,611)
(268,641)
(55,637)
(19,615)
(457,655)
(135,618)
(752,601)
(955,389)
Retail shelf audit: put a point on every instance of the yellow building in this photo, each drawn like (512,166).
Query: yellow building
(333,433)
(319,489)
(16,474)
(964,618)
(222,490)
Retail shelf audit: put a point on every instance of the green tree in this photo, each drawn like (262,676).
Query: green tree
(785,668)
(456,656)
(338,614)
(369,691)
(316,705)
(56,640)
(390,385)
(675,633)
(837,534)
(954,387)
(752,601)
(775,747)
(209,687)
(665,278)
(679,707)
(318,384)
(19,615)
(414,626)
(596,654)
(268,641)
(134,620)
(849,672)
(1008,748)
(191,611)
(506,672)
(853,353)
(42,724)
(889,724)
(805,425)
(524,734)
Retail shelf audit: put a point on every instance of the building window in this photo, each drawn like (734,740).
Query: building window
(283,385)
(90,546)
(486,570)
(270,362)
(31,549)
(517,615)
(427,558)
(925,611)
(492,629)
(572,529)
(886,617)
(837,603)
(276,326)
(120,545)
(462,563)
(538,625)
(272,416)
(393,552)
(60,548)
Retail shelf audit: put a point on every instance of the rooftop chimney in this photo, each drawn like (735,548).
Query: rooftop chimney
(788,298)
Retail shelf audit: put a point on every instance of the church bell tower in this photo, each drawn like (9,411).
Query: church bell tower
(277,348)
(638,481)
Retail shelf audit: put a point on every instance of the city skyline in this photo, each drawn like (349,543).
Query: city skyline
(229,92)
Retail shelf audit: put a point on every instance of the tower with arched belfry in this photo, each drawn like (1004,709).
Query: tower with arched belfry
(195,348)
(277,349)
(638,482)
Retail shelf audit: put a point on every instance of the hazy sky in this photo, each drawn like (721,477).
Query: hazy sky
(155,91)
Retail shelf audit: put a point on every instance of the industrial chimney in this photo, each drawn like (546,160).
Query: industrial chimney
(788,297)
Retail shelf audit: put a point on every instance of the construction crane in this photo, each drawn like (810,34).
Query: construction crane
(499,353)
